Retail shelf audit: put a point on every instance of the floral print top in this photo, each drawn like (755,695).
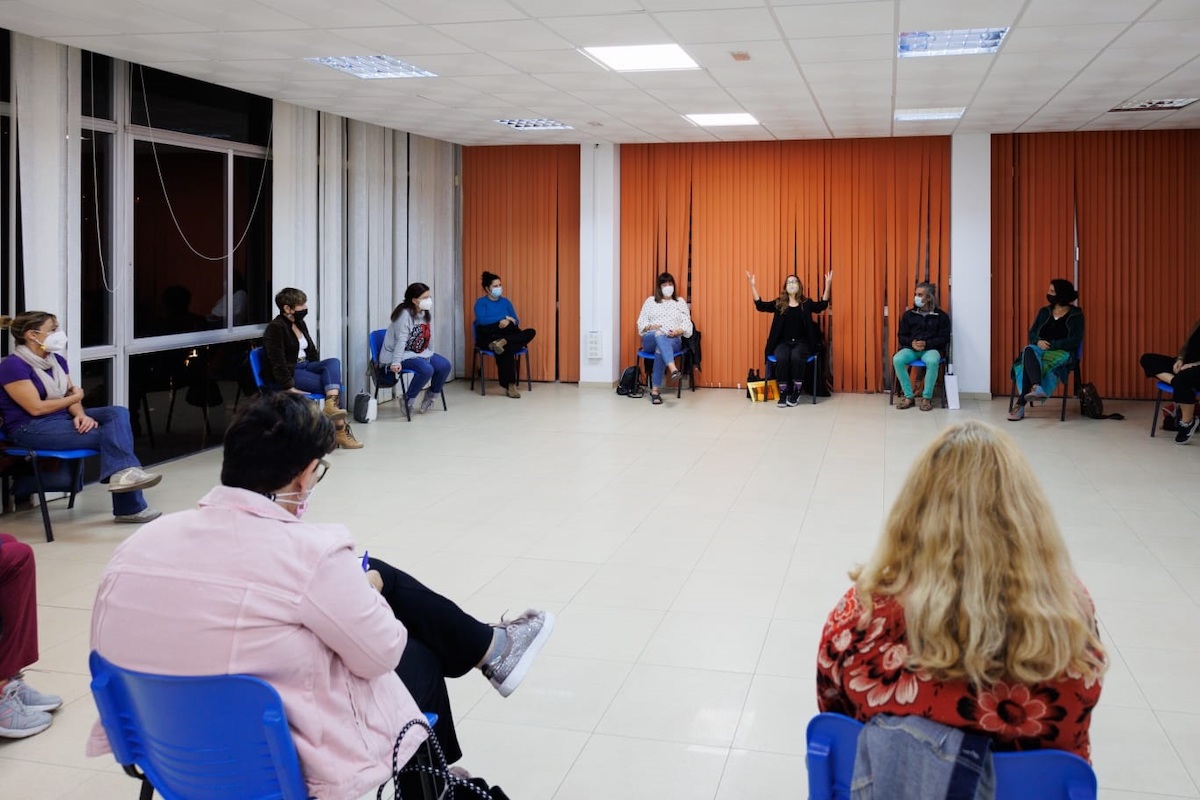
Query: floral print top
(861,673)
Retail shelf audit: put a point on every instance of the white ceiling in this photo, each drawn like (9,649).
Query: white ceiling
(816,70)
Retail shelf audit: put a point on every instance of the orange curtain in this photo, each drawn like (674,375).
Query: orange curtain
(521,221)
(1130,201)
(875,211)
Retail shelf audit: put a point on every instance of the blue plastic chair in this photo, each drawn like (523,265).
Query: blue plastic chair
(211,737)
(685,355)
(1065,371)
(919,364)
(480,353)
(31,456)
(814,359)
(1161,387)
(256,356)
(1032,775)
(385,378)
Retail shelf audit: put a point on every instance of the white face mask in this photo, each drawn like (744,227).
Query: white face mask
(668,291)
(425,304)
(55,342)
(497,291)
(299,506)
(918,301)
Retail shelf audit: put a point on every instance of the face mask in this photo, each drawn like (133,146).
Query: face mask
(668,291)
(425,304)
(55,342)
(299,506)
(918,301)
(299,316)
(1052,299)
(792,288)
(497,291)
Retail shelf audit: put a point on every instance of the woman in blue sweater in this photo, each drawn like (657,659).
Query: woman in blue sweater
(498,329)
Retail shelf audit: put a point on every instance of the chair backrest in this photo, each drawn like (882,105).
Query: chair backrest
(256,366)
(375,342)
(199,738)
(1033,775)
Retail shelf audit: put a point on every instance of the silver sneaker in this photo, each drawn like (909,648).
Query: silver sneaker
(35,700)
(17,720)
(426,402)
(145,515)
(132,479)
(527,634)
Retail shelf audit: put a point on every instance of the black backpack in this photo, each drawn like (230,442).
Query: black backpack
(629,385)
(1090,404)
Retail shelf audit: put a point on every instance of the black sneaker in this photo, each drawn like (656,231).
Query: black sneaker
(1186,431)
(783,399)
(793,398)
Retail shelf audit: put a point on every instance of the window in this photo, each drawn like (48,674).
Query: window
(252,223)
(97,85)
(95,240)
(164,101)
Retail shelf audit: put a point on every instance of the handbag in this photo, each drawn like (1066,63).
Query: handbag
(435,773)
(366,408)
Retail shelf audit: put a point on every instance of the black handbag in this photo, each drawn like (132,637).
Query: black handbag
(366,408)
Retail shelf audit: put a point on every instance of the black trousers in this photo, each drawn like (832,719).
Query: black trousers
(791,357)
(1184,385)
(515,338)
(443,642)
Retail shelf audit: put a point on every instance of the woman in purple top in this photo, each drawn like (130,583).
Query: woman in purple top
(43,410)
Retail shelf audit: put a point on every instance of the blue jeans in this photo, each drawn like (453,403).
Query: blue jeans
(904,357)
(435,367)
(319,377)
(112,437)
(665,348)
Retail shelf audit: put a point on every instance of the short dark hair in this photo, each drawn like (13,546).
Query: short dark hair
(664,277)
(488,277)
(290,297)
(272,439)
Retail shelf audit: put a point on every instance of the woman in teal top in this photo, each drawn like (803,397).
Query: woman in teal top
(498,329)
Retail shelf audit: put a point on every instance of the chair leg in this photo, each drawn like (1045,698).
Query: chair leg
(146,414)
(171,409)
(41,493)
(474,355)
(528,373)
(76,480)
(1157,411)
(404,397)
(816,374)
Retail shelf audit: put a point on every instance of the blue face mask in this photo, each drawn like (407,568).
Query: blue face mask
(497,291)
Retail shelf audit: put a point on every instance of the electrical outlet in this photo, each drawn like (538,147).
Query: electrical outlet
(595,347)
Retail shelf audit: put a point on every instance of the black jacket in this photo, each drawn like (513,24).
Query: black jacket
(932,328)
(282,351)
(812,331)
(1074,330)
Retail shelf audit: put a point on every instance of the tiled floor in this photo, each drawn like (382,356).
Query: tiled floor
(691,552)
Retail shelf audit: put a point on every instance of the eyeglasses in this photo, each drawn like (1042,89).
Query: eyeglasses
(323,466)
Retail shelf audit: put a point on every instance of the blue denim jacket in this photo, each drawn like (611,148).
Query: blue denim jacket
(912,758)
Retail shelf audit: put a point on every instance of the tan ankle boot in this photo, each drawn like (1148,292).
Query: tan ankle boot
(346,440)
(331,408)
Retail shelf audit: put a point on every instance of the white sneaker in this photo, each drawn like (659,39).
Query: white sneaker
(132,479)
(35,700)
(17,720)
(145,515)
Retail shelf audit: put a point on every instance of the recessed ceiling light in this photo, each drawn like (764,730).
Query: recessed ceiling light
(718,120)
(925,114)
(535,124)
(1155,105)
(373,67)
(641,58)
(961,42)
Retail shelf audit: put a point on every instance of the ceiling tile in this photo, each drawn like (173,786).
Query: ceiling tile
(853,19)
(433,12)
(938,15)
(865,73)
(225,15)
(407,40)
(323,14)
(120,16)
(1072,12)
(581,82)
(702,27)
(533,61)
(1174,9)
(1050,39)
(674,79)
(575,8)
(504,35)
(697,101)
(1182,38)
(693,5)
(844,48)
(609,31)
(512,82)
(22,18)
(452,66)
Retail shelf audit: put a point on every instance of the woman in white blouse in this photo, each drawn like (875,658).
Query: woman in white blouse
(664,320)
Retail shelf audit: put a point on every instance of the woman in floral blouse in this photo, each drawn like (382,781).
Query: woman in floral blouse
(969,612)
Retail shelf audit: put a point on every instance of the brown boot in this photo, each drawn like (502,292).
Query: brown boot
(498,346)
(346,440)
(331,408)
(512,391)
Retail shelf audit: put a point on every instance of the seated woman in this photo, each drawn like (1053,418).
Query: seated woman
(24,711)
(663,321)
(284,339)
(408,344)
(1054,339)
(1183,373)
(968,613)
(43,409)
(794,334)
(243,585)
(497,329)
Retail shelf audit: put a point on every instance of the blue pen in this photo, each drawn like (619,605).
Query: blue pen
(366,563)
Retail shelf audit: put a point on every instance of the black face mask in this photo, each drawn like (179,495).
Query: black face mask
(1052,299)
(299,316)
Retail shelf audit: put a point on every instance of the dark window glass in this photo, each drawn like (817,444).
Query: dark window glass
(5,273)
(180,401)
(95,241)
(96,383)
(173,287)
(172,102)
(97,85)
(5,66)
(252,260)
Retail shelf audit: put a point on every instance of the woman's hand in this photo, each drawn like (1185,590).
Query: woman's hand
(753,280)
(395,368)
(652,328)
(84,423)
(1043,344)
(295,390)
(504,322)
(375,579)
(1178,366)
(829,277)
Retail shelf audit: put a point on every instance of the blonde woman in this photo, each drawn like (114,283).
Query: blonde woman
(969,612)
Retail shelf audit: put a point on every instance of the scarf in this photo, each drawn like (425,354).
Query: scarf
(56,383)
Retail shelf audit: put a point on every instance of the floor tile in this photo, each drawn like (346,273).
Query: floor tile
(678,705)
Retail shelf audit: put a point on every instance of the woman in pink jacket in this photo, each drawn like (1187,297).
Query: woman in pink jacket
(242,585)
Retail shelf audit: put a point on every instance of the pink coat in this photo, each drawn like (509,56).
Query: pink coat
(240,586)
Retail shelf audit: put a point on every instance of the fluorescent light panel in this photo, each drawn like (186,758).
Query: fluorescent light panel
(373,67)
(641,58)
(720,120)
(961,42)
(927,114)
(535,124)
(1155,105)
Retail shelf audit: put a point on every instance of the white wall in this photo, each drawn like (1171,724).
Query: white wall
(599,261)
(971,261)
